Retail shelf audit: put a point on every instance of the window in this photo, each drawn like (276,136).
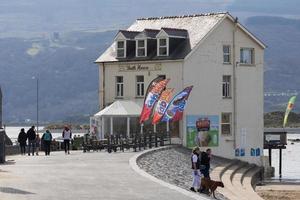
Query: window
(162,47)
(119,86)
(121,50)
(226,87)
(247,56)
(226,124)
(226,54)
(140,86)
(141,48)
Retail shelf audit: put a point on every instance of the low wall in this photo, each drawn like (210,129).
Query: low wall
(12,150)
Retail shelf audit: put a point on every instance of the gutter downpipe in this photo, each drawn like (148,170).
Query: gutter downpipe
(103,86)
(234,83)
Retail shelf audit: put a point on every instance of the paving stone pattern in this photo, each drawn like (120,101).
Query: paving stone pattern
(172,165)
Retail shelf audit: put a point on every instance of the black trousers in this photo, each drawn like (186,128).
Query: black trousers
(47,147)
(23,149)
(67,145)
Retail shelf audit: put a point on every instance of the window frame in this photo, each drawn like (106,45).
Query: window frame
(165,46)
(121,85)
(140,86)
(137,47)
(226,85)
(252,50)
(124,48)
(227,54)
(226,123)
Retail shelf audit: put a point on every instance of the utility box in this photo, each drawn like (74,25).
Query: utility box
(2,146)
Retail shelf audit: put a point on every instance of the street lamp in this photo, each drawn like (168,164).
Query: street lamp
(37,103)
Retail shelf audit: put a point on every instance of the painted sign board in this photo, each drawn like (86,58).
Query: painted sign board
(202,130)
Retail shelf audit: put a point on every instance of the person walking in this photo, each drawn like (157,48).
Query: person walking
(67,136)
(31,135)
(47,138)
(205,161)
(196,170)
(37,144)
(22,138)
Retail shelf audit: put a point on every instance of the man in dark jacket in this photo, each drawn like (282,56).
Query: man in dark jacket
(22,138)
(31,135)
(205,161)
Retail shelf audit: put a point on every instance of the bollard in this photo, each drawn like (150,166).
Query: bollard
(156,139)
(145,140)
(150,140)
(2,146)
(140,142)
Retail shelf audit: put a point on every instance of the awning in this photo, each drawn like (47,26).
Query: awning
(122,108)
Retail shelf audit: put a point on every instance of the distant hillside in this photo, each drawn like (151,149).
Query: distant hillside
(275,119)
(282,59)
(67,75)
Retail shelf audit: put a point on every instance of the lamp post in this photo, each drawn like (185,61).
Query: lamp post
(37,103)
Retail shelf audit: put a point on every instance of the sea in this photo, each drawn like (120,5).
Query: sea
(13,132)
(290,160)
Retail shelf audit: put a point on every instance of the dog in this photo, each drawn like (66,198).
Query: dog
(210,186)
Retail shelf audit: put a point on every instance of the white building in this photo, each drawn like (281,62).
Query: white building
(214,53)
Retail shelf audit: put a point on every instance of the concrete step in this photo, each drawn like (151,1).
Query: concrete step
(237,177)
(218,171)
(247,180)
(229,189)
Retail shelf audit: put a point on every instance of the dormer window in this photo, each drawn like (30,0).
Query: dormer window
(141,48)
(162,46)
(121,48)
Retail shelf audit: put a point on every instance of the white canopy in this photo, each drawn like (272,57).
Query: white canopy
(121,108)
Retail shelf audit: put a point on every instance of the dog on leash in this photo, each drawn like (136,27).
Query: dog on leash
(210,185)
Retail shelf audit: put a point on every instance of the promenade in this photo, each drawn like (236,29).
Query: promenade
(97,175)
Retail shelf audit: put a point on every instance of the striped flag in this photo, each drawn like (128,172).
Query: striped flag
(154,91)
(176,107)
(162,105)
(289,107)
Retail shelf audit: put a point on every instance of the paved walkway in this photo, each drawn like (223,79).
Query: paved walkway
(78,176)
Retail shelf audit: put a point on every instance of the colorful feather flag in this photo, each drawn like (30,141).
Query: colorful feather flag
(162,105)
(154,91)
(176,107)
(289,107)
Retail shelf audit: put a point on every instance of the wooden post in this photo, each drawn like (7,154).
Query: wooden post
(270,157)
(280,162)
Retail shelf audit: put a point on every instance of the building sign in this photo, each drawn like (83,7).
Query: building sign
(139,67)
(202,130)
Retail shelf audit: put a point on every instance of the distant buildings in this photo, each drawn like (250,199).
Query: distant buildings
(213,52)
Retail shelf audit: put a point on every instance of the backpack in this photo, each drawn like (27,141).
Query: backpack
(47,137)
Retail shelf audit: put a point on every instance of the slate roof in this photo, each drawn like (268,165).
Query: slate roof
(175,32)
(129,34)
(194,27)
(148,33)
(197,26)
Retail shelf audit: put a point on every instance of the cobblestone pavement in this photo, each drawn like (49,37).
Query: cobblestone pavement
(172,165)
